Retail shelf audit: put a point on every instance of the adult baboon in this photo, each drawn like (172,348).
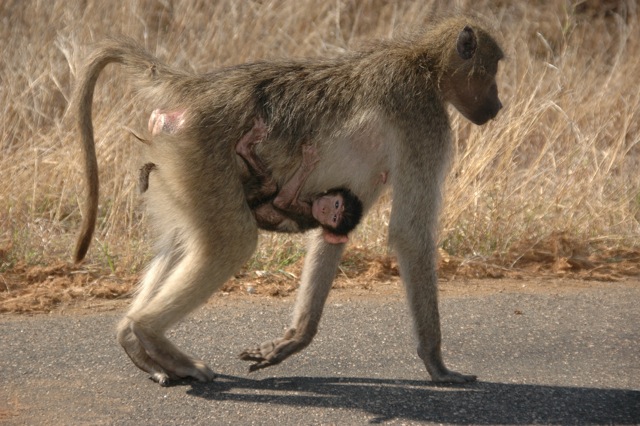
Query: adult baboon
(380,111)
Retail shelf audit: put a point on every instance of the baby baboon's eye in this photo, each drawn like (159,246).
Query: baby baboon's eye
(337,204)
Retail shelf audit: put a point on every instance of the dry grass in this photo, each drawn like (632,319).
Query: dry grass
(559,164)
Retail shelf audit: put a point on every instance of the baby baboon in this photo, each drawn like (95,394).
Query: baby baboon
(380,111)
(337,210)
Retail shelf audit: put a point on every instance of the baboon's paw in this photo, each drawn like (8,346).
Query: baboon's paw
(437,370)
(160,378)
(271,353)
(453,377)
(172,363)
(186,368)
(199,371)
(202,372)
(137,353)
(259,353)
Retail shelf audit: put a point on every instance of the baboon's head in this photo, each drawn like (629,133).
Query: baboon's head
(468,74)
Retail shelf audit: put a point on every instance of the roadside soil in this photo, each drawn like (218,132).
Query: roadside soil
(554,267)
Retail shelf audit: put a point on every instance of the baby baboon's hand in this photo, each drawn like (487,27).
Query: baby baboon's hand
(310,156)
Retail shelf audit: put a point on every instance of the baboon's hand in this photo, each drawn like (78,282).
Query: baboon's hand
(273,352)
(441,374)
(453,377)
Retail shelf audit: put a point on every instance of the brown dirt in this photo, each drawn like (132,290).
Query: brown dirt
(556,263)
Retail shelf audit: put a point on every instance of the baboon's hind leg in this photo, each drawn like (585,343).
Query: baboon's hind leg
(159,268)
(136,352)
(203,267)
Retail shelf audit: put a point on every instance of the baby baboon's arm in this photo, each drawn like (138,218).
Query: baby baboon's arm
(272,214)
(257,168)
(288,197)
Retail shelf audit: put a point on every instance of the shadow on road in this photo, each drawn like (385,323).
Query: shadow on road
(478,403)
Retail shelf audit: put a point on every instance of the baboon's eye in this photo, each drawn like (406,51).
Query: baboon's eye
(337,204)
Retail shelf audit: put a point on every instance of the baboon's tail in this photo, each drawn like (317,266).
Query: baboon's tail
(145,67)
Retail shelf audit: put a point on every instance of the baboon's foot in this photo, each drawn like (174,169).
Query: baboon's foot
(164,361)
(138,355)
(274,351)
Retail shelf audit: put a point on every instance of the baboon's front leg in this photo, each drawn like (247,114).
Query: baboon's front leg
(412,233)
(419,276)
(321,263)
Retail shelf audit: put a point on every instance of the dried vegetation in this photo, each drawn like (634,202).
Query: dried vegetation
(551,187)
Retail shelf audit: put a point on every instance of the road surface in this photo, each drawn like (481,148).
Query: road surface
(542,357)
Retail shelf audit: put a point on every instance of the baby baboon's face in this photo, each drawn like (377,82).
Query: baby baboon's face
(328,210)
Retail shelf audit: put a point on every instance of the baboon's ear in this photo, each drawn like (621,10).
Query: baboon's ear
(467,43)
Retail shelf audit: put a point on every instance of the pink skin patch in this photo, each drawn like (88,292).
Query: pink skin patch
(166,122)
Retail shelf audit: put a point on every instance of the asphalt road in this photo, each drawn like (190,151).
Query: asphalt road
(542,358)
